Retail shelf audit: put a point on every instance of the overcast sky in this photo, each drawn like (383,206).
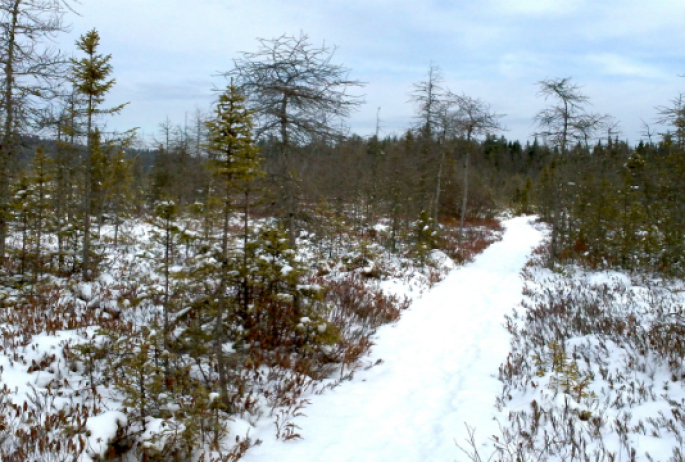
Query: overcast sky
(627,54)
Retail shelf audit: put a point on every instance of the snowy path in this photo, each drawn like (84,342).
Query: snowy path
(437,372)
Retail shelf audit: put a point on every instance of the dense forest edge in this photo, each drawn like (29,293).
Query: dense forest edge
(153,294)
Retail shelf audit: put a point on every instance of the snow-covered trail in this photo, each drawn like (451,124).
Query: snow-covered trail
(438,369)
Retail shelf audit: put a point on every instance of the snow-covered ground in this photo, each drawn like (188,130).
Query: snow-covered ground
(545,365)
(436,371)
(59,395)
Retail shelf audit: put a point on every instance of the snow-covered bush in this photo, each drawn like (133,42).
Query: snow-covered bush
(595,371)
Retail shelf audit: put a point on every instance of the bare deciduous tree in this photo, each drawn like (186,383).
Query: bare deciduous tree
(474,118)
(430,98)
(586,126)
(566,119)
(432,105)
(297,94)
(646,131)
(29,67)
(560,123)
(674,116)
(611,125)
(442,115)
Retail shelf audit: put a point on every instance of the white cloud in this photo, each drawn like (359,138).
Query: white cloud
(649,22)
(540,8)
(622,66)
(522,64)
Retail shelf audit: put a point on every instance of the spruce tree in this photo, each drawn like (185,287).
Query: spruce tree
(165,214)
(138,375)
(235,165)
(91,78)
(32,204)
(118,183)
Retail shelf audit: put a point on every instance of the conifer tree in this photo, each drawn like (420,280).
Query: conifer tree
(66,171)
(32,203)
(284,313)
(426,236)
(91,78)
(165,212)
(632,212)
(118,183)
(235,166)
(138,375)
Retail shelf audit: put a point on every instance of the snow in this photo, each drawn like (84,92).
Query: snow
(428,374)
(629,382)
(442,260)
(381,227)
(107,279)
(86,291)
(435,371)
(102,429)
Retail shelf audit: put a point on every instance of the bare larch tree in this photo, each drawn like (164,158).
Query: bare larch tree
(473,117)
(297,94)
(566,119)
(29,68)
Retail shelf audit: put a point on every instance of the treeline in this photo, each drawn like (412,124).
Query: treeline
(393,178)
(616,206)
(610,204)
(63,178)
(70,178)
(362,180)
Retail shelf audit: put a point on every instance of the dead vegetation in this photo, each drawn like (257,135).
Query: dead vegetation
(598,357)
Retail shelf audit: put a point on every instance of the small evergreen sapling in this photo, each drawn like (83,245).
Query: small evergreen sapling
(31,206)
(234,165)
(426,236)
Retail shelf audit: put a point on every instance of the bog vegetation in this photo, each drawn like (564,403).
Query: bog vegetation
(149,294)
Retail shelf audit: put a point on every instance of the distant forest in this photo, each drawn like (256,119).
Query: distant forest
(608,202)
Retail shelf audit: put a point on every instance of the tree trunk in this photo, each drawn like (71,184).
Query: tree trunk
(218,349)
(59,206)
(554,235)
(466,186)
(246,298)
(291,220)
(436,206)
(87,197)
(220,309)
(167,255)
(288,176)
(38,263)
(8,135)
